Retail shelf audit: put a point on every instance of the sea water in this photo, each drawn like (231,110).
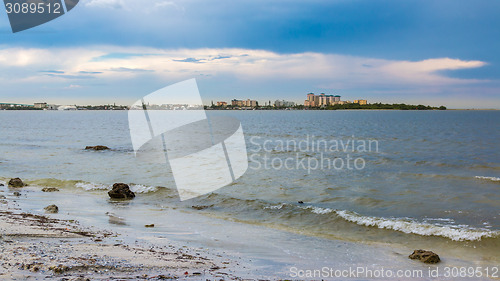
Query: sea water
(407,179)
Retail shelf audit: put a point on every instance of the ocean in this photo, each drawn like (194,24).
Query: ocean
(402,179)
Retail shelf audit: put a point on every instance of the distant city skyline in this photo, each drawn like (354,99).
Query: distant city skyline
(116,51)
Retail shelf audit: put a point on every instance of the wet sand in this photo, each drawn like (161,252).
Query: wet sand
(37,247)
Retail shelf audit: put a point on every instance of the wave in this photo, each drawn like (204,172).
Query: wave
(88,186)
(136,188)
(410,226)
(92,186)
(487,178)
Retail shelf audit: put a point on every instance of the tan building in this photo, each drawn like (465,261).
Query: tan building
(222,103)
(361,102)
(250,103)
(40,105)
(237,102)
(321,100)
(244,103)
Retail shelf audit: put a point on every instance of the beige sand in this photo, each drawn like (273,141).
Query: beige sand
(37,247)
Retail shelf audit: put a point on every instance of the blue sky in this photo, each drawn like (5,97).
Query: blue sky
(104,51)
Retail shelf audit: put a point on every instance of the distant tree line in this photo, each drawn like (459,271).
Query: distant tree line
(20,108)
(395,106)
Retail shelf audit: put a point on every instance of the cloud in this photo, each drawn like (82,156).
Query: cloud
(243,64)
(90,72)
(73,86)
(52,71)
(134,6)
(125,69)
(115,4)
(70,76)
(101,68)
(190,60)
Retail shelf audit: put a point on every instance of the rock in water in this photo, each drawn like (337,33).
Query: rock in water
(425,256)
(16,182)
(121,191)
(97,147)
(50,189)
(17,193)
(51,209)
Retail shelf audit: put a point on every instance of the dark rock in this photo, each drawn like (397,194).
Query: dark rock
(51,209)
(2,197)
(17,193)
(121,191)
(150,225)
(49,189)
(16,182)
(301,202)
(97,147)
(425,256)
(1,184)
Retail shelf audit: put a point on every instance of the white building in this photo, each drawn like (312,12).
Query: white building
(283,103)
(66,107)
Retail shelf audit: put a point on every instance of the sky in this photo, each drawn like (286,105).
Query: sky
(117,51)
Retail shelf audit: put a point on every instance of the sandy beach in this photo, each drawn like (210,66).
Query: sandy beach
(37,247)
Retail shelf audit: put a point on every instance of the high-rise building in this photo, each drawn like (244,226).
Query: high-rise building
(321,100)
(236,102)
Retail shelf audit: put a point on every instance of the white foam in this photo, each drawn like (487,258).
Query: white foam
(92,186)
(406,225)
(320,211)
(487,178)
(139,188)
(276,207)
(136,188)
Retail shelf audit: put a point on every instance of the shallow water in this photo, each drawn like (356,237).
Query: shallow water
(432,179)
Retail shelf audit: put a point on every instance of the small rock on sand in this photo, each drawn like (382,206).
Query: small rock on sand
(17,193)
(121,191)
(16,182)
(425,256)
(97,147)
(150,225)
(59,269)
(1,184)
(51,209)
(2,197)
(49,189)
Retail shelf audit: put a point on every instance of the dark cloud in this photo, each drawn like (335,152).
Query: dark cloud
(193,60)
(90,72)
(70,76)
(52,71)
(125,69)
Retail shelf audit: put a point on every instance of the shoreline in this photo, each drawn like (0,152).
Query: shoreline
(42,248)
(58,246)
